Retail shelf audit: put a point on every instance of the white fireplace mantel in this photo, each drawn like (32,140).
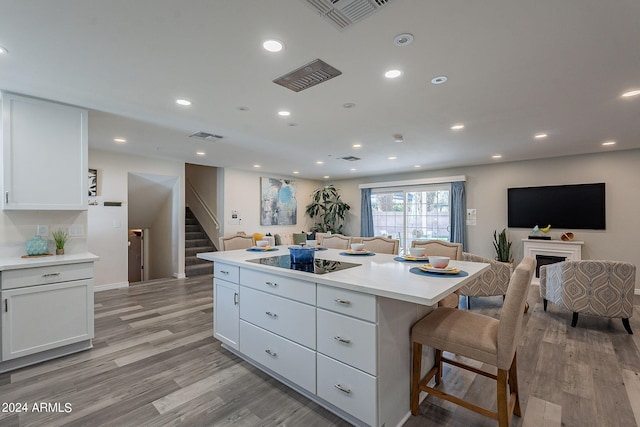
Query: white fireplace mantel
(571,250)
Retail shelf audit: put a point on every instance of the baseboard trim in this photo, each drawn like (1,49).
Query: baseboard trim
(108,286)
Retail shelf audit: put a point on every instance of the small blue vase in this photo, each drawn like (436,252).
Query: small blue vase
(37,246)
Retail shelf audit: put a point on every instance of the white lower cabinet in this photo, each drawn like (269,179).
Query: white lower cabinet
(40,318)
(293,361)
(350,389)
(226,314)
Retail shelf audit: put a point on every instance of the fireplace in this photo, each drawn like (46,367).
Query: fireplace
(545,260)
(550,251)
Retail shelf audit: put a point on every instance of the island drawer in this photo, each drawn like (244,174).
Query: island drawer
(344,301)
(286,287)
(227,272)
(290,319)
(348,340)
(294,362)
(349,389)
(34,276)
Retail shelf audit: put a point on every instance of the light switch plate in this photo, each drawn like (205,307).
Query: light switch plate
(76,230)
(42,230)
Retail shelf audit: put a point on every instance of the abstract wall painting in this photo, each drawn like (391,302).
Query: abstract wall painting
(278,204)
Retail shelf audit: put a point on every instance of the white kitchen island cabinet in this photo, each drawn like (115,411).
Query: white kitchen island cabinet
(342,338)
(44,155)
(47,308)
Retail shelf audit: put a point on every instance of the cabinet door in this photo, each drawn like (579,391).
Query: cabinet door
(226,312)
(40,318)
(45,155)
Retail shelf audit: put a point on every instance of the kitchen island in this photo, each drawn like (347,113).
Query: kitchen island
(338,333)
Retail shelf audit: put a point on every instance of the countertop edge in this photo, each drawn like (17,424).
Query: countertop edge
(15,263)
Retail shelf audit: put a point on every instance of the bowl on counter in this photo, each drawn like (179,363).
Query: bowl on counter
(357,246)
(416,252)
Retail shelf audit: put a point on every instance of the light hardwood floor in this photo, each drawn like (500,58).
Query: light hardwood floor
(155,363)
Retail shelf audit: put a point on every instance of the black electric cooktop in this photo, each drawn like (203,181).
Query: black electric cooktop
(318,266)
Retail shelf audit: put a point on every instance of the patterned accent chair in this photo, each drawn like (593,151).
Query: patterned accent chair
(380,245)
(493,281)
(235,241)
(442,248)
(597,288)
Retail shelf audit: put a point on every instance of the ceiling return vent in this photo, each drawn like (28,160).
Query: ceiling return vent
(206,136)
(343,13)
(308,75)
(350,158)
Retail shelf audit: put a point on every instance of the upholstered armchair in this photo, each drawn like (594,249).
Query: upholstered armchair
(597,288)
(493,281)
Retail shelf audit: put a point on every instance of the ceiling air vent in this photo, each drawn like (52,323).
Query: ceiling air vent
(206,136)
(343,13)
(350,158)
(308,75)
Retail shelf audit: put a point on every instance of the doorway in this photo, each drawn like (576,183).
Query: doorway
(136,256)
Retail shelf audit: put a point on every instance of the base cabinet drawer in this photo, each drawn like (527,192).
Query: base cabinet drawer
(293,361)
(344,301)
(286,287)
(349,389)
(348,340)
(227,272)
(290,319)
(24,277)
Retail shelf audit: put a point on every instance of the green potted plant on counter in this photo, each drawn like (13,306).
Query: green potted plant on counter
(328,209)
(60,236)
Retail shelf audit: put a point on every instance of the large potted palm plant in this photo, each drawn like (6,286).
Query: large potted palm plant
(327,210)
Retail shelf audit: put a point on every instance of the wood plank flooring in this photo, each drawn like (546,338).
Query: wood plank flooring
(155,363)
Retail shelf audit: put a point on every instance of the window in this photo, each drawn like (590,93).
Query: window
(412,213)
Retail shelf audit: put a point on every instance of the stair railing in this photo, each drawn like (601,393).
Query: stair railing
(203,209)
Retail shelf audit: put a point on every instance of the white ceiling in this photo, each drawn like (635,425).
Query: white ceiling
(514,68)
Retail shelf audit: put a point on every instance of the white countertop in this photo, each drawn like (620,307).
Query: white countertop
(15,263)
(378,275)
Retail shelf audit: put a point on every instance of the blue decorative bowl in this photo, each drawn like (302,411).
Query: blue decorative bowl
(37,246)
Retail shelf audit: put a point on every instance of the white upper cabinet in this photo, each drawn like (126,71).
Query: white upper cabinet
(44,155)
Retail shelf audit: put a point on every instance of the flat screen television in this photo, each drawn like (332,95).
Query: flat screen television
(580,206)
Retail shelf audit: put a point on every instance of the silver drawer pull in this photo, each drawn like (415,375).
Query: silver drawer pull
(270,314)
(342,389)
(342,301)
(271,353)
(224,272)
(273,285)
(51,275)
(343,340)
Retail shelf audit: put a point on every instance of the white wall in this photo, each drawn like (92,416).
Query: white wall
(160,235)
(486,190)
(107,226)
(242,192)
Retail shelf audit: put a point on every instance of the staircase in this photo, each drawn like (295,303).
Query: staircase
(195,241)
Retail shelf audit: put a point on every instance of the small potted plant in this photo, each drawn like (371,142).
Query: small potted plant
(60,236)
(502,245)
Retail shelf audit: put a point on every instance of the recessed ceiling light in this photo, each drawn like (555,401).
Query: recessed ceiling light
(200,153)
(631,93)
(296,172)
(348,105)
(458,126)
(184,102)
(326,177)
(496,156)
(119,140)
(439,80)
(256,166)
(417,166)
(3,50)
(273,45)
(606,143)
(357,145)
(404,39)
(392,157)
(540,136)
(319,162)
(392,74)
(353,169)
(284,113)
